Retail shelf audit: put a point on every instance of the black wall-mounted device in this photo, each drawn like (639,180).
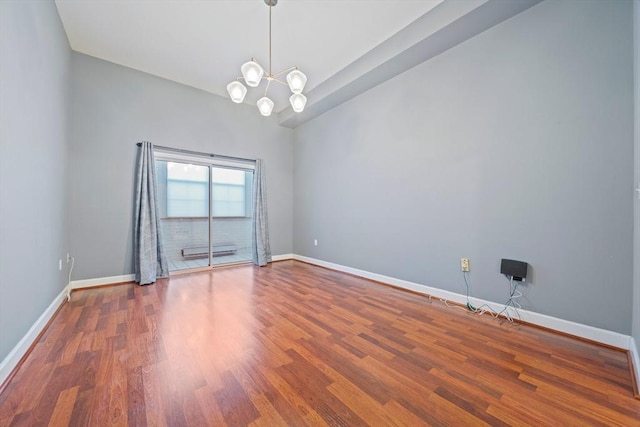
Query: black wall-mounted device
(516,269)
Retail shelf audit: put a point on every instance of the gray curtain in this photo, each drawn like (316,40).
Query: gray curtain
(260,226)
(150,259)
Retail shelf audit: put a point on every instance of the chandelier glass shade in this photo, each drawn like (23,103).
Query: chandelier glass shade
(265,105)
(296,80)
(253,74)
(298,101)
(237,91)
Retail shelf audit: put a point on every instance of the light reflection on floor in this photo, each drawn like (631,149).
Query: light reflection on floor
(209,314)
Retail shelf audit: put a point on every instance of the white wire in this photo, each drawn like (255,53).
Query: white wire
(492,312)
(514,296)
(464,276)
(478,310)
(512,302)
(73,261)
(453,305)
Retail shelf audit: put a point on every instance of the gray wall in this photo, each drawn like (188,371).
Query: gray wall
(636,239)
(515,144)
(113,107)
(34,81)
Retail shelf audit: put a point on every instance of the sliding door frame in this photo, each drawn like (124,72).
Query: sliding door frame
(209,162)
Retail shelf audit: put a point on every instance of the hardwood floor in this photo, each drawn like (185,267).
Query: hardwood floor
(294,344)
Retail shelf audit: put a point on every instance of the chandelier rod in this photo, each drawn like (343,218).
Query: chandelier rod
(270,7)
(267,88)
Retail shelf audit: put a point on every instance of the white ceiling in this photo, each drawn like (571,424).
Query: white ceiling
(202,43)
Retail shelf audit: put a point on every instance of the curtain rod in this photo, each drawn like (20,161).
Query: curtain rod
(197,153)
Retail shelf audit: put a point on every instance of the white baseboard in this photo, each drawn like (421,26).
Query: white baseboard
(635,357)
(282,257)
(613,339)
(13,358)
(101,281)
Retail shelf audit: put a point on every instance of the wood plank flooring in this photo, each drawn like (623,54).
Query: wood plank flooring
(292,345)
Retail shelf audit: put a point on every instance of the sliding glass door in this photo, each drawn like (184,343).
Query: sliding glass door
(206,211)
(231,215)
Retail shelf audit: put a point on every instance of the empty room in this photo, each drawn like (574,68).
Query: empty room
(319,212)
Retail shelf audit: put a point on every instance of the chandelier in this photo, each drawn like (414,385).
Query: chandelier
(253,74)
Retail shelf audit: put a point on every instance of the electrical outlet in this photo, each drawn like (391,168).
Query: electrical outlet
(68,258)
(464,264)
(60,265)
(315,242)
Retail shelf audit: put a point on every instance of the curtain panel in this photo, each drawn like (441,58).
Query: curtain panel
(261,247)
(150,260)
